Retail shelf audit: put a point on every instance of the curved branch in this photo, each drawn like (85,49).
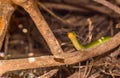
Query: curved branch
(6,10)
(32,9)
(48,61)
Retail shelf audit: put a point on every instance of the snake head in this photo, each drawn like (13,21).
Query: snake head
(71,35)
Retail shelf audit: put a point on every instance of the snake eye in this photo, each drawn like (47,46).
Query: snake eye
(100,40)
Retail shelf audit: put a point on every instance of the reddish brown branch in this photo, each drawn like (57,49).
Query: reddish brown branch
(6,10)
(32,9)
(48,61)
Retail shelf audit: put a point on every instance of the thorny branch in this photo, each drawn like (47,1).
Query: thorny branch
(69,58)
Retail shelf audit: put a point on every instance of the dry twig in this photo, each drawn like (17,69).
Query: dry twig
(99,9)
(6,10)
(109,5)
(65,7)
(49,74)
(50,12)
(31,7)
(48,61)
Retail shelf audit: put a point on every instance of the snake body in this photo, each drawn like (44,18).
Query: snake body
(78,46)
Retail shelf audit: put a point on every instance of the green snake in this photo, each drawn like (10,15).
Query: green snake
(78,46)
